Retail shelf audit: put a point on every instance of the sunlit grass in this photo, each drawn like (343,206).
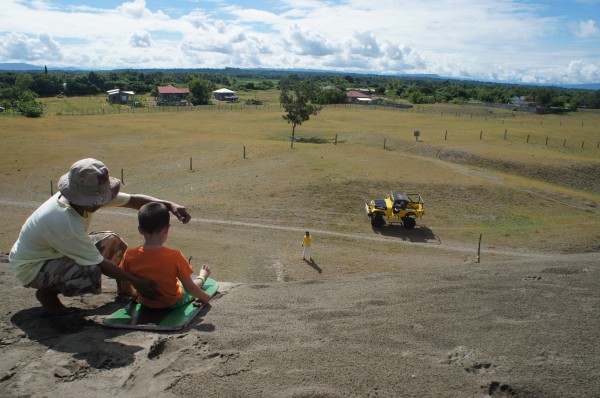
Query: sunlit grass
(317,184)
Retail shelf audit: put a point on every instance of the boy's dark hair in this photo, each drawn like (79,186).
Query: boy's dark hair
(153,217)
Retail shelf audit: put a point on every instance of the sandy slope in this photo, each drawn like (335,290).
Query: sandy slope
(526,328)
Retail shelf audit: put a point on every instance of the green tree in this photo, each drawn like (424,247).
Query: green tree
(295,98)
(330,95)
(96,79)
(574,104)
(200,91)
(545,95)
(46,85)
(24,81)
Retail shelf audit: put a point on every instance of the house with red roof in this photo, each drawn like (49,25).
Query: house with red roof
(360,97)
(171,95)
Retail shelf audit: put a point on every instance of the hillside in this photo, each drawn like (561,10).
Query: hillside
(380,312)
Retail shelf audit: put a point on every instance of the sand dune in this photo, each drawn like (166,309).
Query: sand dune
(526,328)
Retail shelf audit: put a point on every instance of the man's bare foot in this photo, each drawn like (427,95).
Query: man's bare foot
(50,302)
(204,271)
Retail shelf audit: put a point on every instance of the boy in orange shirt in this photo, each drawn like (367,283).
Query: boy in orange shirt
(167,267)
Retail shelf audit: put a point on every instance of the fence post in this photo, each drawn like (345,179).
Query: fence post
(51,189)
(384,143)
(505,132)
(244,151)
(480,134)
(546,141)
(479,249)
(190,164)
(528,138)
(122,179)
(582,142)
(335,143)
(446,135)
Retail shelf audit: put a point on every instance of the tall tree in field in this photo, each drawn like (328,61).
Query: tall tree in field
(200,91)
(295,98)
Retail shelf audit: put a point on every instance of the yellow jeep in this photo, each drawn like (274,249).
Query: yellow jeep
(404,207)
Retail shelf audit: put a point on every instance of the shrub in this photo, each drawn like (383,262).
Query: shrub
(31,109)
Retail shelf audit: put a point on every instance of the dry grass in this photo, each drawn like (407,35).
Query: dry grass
(277,192)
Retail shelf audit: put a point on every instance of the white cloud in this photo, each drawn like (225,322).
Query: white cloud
(581,71)
(304,42)
(587,29)
(135,9)
(365,44)
(509,40)
(140,39)
(18,47)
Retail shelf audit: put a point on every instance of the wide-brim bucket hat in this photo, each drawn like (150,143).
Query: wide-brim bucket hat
(89,184)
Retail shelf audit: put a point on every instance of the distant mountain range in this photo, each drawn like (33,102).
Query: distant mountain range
(19,67)
(23,67)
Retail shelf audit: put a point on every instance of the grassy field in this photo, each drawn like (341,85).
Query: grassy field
(534,190)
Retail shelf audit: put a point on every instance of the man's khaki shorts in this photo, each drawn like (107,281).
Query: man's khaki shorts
(72,279)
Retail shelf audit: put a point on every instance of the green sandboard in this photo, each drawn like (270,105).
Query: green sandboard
(136,316)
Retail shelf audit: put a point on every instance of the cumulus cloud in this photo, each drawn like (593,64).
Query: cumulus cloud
(581,71)
(304,42)
(587,29)
(20,47)
(140,39)
(135,9)
(495,39)
(365,44)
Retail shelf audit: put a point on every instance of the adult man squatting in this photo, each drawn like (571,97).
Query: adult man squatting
(54,252)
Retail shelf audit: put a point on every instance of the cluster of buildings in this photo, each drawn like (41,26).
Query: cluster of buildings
(171,95)
(167,95)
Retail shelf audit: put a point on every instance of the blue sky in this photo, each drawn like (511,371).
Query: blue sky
(556,42)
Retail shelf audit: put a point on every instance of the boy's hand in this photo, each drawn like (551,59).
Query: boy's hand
(205,271)
(147,288)
(199,303)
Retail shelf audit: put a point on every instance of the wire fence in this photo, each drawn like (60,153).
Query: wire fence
(494,138)
(511,122)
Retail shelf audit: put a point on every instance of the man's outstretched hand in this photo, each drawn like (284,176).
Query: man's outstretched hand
(181,213)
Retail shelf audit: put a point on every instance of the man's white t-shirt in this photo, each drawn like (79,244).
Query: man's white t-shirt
(55,230)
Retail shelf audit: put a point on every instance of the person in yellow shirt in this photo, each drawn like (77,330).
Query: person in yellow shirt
(307,246)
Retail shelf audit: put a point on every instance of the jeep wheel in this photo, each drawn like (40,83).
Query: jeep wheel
(409,223)
(377,221)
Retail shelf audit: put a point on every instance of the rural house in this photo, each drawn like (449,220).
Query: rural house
(116,96)
(224,94)
(170,95)
(359,97)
